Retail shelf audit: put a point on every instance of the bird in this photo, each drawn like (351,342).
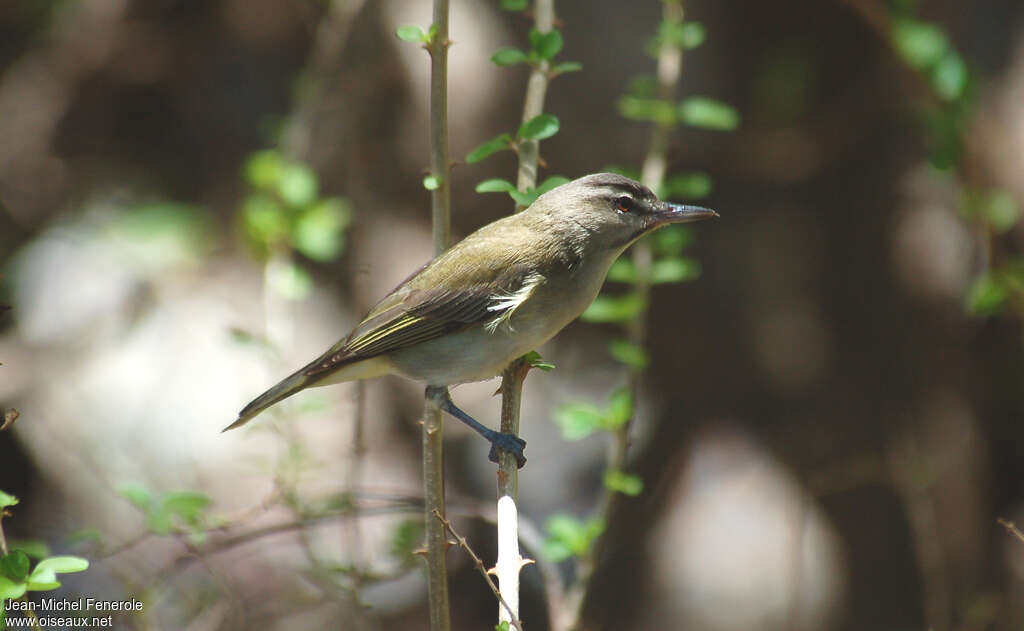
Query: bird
(499,293)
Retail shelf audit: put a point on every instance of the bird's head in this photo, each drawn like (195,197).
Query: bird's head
(612,209)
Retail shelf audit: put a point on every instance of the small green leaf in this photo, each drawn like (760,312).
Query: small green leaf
(431,182)
(503,626)
(492,146)
(652,110)
(693,35)
(524,199)
(509,57)
(569,536)
(693,185)
(614,308)
(997,208)
(987,295)
(620,409)
(159,521)
(551,183)
(546,45)
(539,127)
(622,271)
(15,565)
(578,420)
(534,360)
(62,565)
(674,270)
(11,589)
(6,500)
(298,185)
(686,35)
(624,483)
(188,505)
(34,548)
(672,240)
(643,86)
(629,354)
(411,34)
(136,494)
(921,44)
(495,185)
(566,66)
(949,77)
(708,113)
(514,5)
(42,580)
(265,222)
(319,230)
(290,280)
(406,537)
(263,169)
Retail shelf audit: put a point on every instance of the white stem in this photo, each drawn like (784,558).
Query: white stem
(509,560)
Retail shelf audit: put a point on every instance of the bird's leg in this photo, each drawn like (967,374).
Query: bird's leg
(509,442)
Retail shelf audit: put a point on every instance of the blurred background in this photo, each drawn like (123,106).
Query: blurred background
(199,196)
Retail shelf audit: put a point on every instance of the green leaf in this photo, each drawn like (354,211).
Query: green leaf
(514,5)
(495,185)
(15,565)
(136,494)
(996,208)
(264,219)
(620,409)
(685,35)
(546,45)
(566,66)
(494,145)
(693,185)
(6,500)
(622,271)
(298,185)
(949,77)
(503,626)
(708,113)
(624,483)
(34,548)
(629,354)
(672,240)
(411,34)
(534,360)
(551,183)
(569,536)
(614,308)
(188,505)
(406,538)
(987,295)
(159,521)
(674,270)
(579,420)
(319,231)
(290,280)
(652,110)
(539,127)
(509,56)
(42,580)
(263,169)
(643,86)
(919,43)
(62,565)
(431,182)
(524,199)
(11,589)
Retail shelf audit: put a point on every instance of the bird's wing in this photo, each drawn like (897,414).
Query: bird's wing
(410,316)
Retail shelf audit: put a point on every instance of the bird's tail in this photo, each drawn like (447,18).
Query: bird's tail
(284,389)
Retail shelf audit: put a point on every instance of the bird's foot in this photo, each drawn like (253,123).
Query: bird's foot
(509,443)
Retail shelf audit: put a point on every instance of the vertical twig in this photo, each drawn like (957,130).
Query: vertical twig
(510,562)
(440,198)
(670,65)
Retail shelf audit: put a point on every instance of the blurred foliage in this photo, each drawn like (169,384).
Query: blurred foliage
(569,537)
(17,573)
(283,212)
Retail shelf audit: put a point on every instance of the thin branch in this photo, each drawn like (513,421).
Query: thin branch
(1011,528)
(440,198)
(513,376)
(670,65)
(479,565)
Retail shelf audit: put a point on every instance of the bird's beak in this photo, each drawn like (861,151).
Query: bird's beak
(666,213)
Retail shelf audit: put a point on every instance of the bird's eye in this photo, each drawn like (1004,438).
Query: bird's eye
(623,204)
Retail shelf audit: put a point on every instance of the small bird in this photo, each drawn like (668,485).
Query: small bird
(494,296)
